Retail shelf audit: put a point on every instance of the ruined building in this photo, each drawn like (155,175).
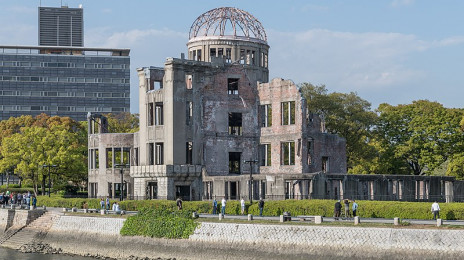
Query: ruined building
(213,125)
(210,120)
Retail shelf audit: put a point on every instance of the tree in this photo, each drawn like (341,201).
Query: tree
(123,122)
(347,115)
(422,135)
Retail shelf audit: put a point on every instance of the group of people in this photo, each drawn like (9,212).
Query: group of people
(348,213)
(105,204)
(242,206)
(7,198)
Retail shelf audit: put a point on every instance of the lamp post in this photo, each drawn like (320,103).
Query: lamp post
(122,166)
(250,188)
(49,175)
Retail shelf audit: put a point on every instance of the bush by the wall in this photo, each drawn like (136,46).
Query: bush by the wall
(160,221)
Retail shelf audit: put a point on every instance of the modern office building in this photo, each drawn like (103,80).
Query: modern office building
(64,81)
(63,78)
(61,26)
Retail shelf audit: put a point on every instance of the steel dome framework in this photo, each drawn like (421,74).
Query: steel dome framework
(227,21)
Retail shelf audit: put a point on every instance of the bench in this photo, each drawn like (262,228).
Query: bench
(306,218)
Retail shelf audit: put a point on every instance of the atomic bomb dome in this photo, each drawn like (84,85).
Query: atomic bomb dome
(230,34)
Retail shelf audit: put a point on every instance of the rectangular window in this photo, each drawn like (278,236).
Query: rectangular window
(189,153)
(125,155)
(266,115)
(220,52)
(157,85)
(235,123)
(266,155)
(232,86)
(212,52)
(228,55)
(136,157)
(287,153)
(325,164)
(109,158)
(188,81)
(310,152)
(151,118)
(97,160)
(288,112)
(151,153)
(159,153)
(159,113)
(189,113)
(234,162)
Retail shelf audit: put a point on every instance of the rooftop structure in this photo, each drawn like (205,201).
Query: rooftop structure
(61,26)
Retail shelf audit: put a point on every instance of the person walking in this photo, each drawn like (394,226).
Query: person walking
(261,206)
(347,208)
(223,206)
(107,203)
(214,206)
(34,202)
(179,203)
(435,210)
(354,207)
(337,209)
(242,205)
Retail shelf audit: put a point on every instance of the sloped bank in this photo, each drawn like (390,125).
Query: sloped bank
(100,236)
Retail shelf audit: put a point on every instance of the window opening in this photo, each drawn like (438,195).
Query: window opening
(151,154)
(159,113)
(232,86)
(234,162)
(235,124)
(189,153)
(109,158)
(266,115)
(159,153)
(325,164)
(288,113)
(189,113)
(150,114)
(288,153)
(266,155)
(188,82)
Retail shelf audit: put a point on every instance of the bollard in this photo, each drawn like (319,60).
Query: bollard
(439,222)
(86,211)
(396,221)
(318,220)
(250,217)
(65,209)
(221,216)
(282,218)
(102,212)
(194,215)
(123,212)
(44,207)
(74,210)
(356,220)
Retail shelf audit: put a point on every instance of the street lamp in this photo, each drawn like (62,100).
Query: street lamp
(122,166)
(49,179)
(250,188)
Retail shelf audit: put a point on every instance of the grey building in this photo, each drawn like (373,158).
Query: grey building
(64,81)
(61,26)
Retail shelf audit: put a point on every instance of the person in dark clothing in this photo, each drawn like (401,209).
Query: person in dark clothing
(179,203)
(337,209)
(261,206)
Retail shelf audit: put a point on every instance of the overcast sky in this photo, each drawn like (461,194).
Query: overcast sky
(387,51)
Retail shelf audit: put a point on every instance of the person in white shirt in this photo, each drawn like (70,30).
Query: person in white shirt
(435,210)
(223,206)
(242,205)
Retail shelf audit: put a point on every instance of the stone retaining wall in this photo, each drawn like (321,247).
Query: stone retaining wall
(103,226)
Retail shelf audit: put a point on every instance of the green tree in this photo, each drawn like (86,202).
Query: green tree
(349,116)
(123,122)
(419,137)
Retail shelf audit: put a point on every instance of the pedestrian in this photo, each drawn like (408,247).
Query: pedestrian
(261,206)
(435,210)
(214,206)
(28,202)
(223,206)
(354,207)
(34,202)
(107,203)
(242,205)
(337,209)
(179,203)
(347,208)
(102,204)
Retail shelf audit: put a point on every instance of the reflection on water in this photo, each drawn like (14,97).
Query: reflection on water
(8,254)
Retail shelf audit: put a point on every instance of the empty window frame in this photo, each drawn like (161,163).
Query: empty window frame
(189,153)
(189,113)
(135,157)
(234,162)
(126,156)
(151,118)
(287,151)
(159,153)
(266,115)
(188,82)
(157,85)
(265,155)
(232,86)
(212,52)
(235,123)
(229,55)
(158,113)
(97,160)
(220,52)
(151,153)
(310,152)
(288,112)
(325,164)
(109,158)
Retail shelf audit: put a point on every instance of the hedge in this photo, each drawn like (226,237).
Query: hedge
(160,221)
(366,209)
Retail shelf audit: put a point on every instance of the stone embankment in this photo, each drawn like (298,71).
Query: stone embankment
(100,237)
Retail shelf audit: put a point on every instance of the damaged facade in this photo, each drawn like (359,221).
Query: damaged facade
(213,125)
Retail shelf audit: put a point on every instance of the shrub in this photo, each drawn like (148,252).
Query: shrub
(160,221)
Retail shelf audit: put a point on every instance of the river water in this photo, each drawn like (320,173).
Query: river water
(10,254)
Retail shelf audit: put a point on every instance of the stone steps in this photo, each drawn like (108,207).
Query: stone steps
(29,233)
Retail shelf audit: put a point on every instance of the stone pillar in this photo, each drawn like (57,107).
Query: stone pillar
(282,218)
(250,217)
(102,212)
(318,220)
(439,222)
(221,216)
(74,209)
(396,221)
(86,211)
(356,220)
(65,209)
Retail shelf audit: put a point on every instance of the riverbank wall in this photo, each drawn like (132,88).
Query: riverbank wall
(100,236)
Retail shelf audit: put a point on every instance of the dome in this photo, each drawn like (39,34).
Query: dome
(227,21)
